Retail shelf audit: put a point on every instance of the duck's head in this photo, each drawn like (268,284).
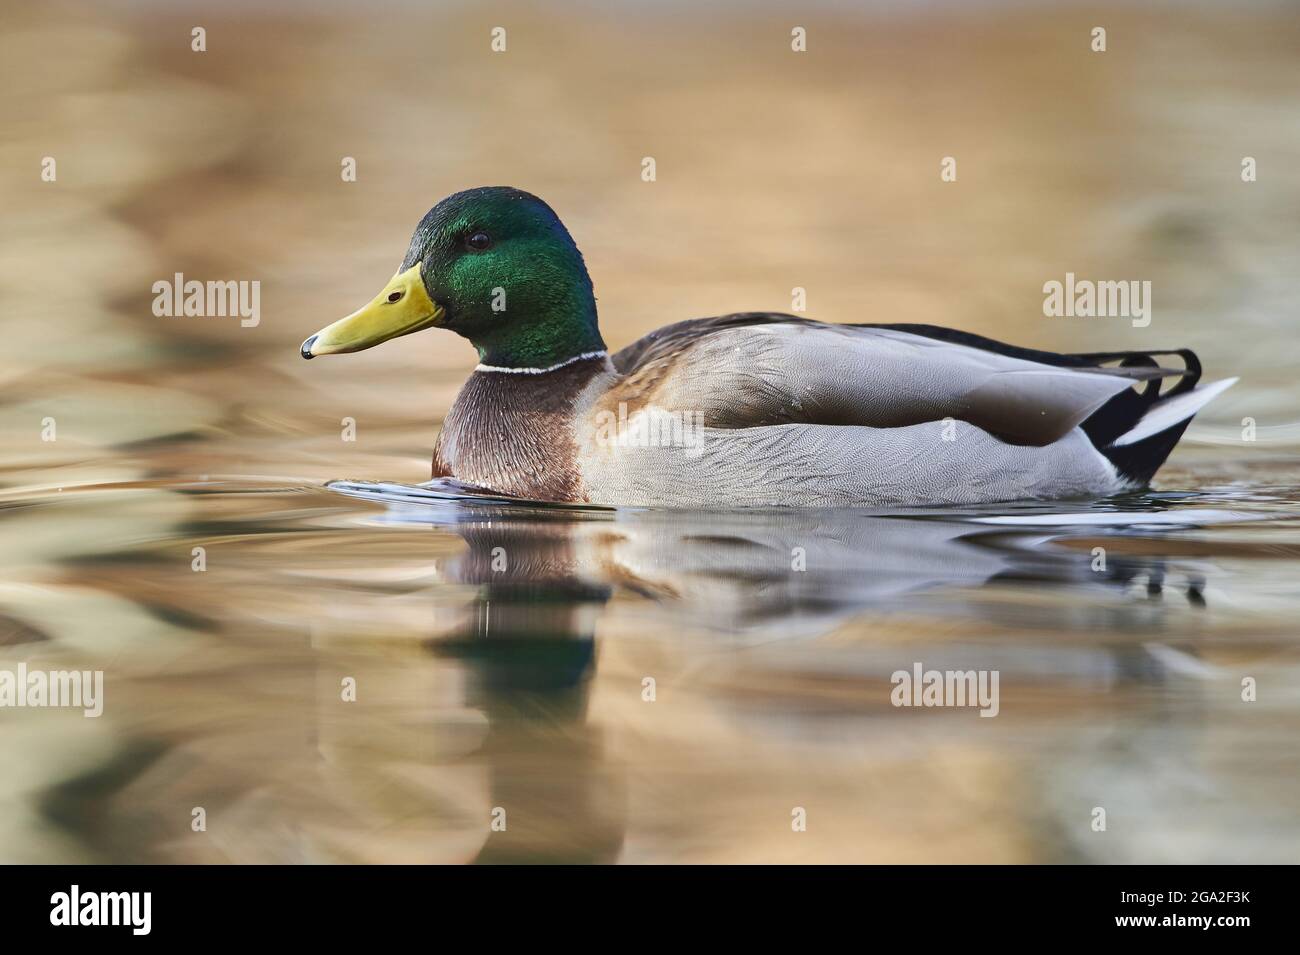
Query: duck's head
(494,265)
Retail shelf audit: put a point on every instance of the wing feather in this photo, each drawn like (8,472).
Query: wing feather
(758,369)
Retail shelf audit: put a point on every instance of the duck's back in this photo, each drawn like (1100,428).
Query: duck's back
(759,409)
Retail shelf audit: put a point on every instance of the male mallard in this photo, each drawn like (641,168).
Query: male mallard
(752,409)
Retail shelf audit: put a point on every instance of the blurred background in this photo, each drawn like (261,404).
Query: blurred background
(775,170)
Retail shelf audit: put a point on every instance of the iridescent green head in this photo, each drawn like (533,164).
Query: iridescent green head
(494,265)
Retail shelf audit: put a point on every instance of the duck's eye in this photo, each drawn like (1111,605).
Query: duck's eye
(394,296)
(479,241)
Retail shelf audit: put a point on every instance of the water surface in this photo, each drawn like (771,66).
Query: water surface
(500,652)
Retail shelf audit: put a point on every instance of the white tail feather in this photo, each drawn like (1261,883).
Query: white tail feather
(1170,412)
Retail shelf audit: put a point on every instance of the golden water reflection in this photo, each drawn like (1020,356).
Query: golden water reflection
(500,654)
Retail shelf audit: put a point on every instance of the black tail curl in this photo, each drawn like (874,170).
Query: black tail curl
(1139,461)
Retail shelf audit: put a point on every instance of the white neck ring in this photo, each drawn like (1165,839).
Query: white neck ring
(541,371)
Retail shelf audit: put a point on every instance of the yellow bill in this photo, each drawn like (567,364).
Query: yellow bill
(401,308)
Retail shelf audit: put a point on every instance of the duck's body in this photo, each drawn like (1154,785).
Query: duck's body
(773,410)
(763,409)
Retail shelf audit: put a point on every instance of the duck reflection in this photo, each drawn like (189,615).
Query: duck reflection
(529,647)
(785,573)
(542,578)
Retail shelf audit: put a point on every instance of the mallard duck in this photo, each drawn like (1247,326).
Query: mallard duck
(753,409)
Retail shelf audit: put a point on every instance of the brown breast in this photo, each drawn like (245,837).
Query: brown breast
(512,432)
